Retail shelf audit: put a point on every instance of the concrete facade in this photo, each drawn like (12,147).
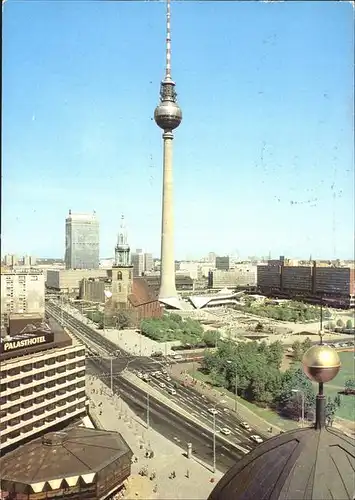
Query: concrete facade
(40,390)
(138,264)
(22,292)
(82,241)
(167,267)
(68,280)
(243,276)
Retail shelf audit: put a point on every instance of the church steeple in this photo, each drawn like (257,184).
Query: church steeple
(122,249)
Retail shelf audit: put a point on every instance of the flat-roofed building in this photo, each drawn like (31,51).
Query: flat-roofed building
(297,278)
(242,276)
(222,263)
(42,375)
(22,291)
(77,463)
(67,281)
(82,241)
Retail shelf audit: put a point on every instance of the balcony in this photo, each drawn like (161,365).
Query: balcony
(17,434)
(32,383)
(79,382)
(14,372)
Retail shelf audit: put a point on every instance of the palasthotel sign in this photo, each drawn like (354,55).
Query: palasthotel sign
(21,343)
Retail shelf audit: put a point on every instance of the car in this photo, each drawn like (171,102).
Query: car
(225,431)
(213,411)
(146,377)
(168,378)
(162,385)
(256,438)
(245,425)
(172,392)
(156,374)
(139,374)
(177,357)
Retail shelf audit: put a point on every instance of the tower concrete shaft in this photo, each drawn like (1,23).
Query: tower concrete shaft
(168,117)
(167,269)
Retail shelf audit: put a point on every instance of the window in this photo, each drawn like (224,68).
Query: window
(119,276)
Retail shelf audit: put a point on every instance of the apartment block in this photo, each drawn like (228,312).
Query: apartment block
(21,292)
(42,376)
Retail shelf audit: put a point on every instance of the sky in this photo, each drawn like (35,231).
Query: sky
(263,159)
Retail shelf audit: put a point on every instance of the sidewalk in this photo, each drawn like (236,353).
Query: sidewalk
(116,415)
(244,413)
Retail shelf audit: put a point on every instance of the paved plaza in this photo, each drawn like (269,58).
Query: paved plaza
(193,479)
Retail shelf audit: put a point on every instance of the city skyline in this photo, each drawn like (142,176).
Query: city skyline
(263,162)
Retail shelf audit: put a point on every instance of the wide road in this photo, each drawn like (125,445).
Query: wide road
(171,424)
(186,397)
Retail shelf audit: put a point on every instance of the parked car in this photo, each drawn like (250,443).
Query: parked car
(172,392)
(213,411)
(225,431)
(245,425)
(162,385)
(256,438)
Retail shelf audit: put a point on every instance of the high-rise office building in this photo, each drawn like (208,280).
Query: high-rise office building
(138,264)
(148,262)
(82,241)
(168,116)
(10,260)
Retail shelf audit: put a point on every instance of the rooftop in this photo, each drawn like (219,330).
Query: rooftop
(72,453)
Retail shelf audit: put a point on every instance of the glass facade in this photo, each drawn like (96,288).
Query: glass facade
(82,241)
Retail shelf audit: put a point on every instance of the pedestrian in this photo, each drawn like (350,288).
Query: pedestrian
(187,473)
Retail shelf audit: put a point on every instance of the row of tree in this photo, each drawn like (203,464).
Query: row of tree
(339,323)
(173,327)
(287,311)
(253,370)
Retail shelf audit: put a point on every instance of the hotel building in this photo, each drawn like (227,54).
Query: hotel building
(42,376)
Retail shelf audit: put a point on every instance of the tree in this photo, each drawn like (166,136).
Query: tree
(340,323)
(211,338)
(306,344)
(349,384)
(259,327)
(349,324)
(290,401)
(123,320)
(331,407)
(297,350)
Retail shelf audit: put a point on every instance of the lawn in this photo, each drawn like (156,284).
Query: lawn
(347,371)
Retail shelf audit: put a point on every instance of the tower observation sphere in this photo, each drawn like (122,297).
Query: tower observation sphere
(167,114)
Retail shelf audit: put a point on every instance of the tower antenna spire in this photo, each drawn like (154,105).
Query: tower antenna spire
(168,43)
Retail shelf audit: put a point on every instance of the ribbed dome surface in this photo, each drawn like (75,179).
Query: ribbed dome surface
(303,464)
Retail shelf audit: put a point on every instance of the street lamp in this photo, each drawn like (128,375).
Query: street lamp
(298,391)
(214,442)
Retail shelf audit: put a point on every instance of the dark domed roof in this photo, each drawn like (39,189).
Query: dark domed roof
(312,464)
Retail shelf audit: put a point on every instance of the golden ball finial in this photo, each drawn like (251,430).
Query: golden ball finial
(321,363)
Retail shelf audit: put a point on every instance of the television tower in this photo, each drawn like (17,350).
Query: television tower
(168,116)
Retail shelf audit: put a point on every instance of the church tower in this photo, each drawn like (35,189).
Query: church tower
(122,270)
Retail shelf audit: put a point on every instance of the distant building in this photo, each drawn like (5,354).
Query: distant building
(21,292)
(148,263)
(28,260)
(42,383)
(222,263)
(138,264)
(10,260)
(82,241)
(120,290)
(67,281)
(239,277)
(314,283)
